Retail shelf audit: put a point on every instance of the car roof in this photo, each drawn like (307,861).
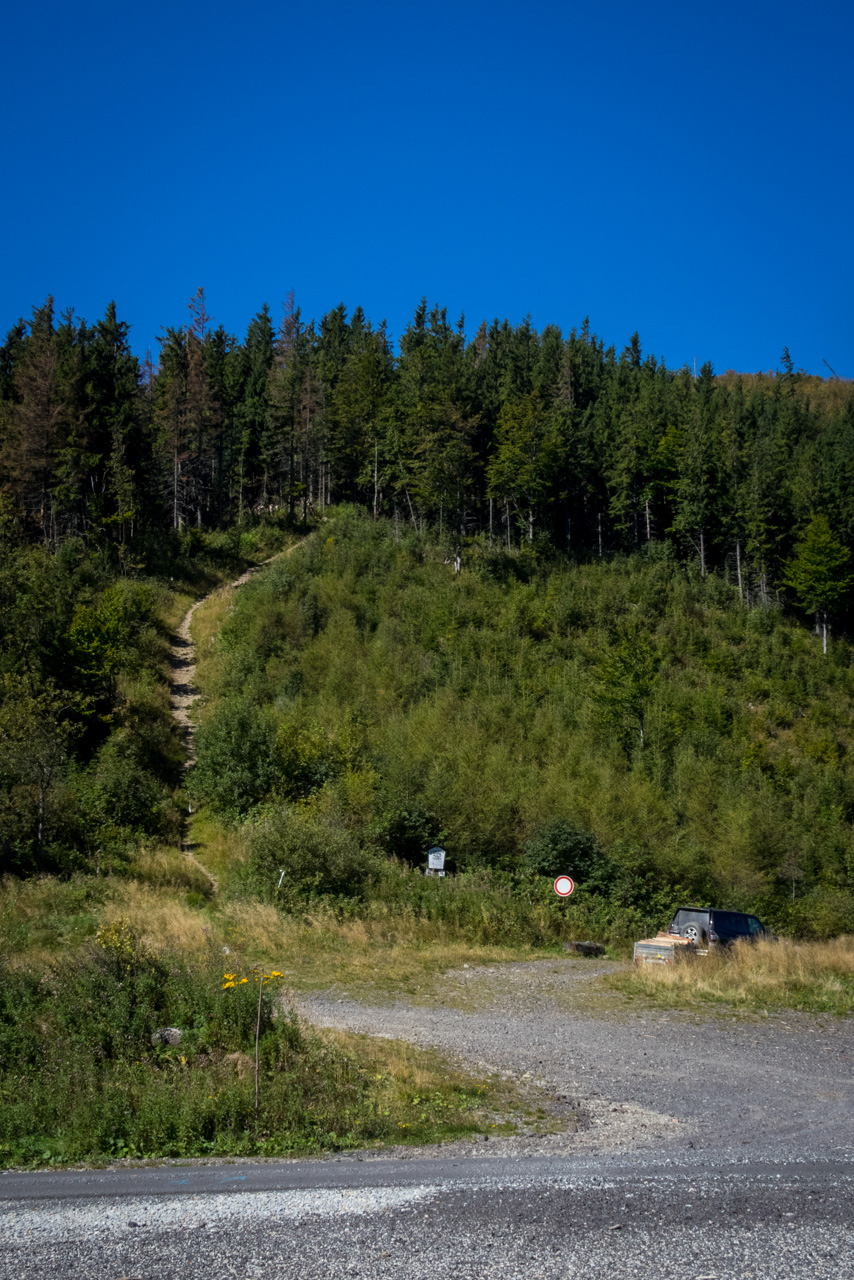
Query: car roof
(728,910)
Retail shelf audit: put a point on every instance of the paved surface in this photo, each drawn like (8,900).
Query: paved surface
(382,1219)
(709,1150)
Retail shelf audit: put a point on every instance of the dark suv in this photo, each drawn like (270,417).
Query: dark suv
(710,927)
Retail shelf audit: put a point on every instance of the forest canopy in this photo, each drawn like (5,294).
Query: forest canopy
(525,435)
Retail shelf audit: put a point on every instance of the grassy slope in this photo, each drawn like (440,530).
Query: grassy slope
(472,699)
(339,1090)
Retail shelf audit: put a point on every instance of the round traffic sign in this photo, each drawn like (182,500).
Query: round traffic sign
(564,886)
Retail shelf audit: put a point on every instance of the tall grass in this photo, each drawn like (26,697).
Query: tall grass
(815,977)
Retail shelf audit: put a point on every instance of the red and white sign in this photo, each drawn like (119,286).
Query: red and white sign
(564,886)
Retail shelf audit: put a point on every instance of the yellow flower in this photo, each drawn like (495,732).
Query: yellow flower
(242,980)
(229,975)
(276,974)
(229,984)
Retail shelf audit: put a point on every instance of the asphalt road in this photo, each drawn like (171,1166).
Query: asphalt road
(750,1172)
(470,1218)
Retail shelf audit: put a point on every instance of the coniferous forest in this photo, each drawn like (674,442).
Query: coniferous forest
(625,589)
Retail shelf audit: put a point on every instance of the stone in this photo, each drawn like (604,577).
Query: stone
(166,1036)
(585,948)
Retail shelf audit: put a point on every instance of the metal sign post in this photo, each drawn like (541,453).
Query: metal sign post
(564,886)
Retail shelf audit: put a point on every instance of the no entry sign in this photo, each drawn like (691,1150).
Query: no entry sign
(564,886)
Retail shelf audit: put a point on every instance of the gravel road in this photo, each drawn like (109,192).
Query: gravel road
(710,1149)
(643,1079)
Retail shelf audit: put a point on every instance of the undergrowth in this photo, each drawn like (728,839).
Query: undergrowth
(84,1075)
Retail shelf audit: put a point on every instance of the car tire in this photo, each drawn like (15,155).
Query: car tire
(694,934)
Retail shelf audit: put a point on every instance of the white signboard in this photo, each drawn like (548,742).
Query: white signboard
(564,886)
(436,858)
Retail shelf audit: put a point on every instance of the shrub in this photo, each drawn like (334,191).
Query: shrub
(308,857)
(562,848)
(236,759)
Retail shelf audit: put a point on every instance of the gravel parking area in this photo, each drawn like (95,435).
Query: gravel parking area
(709,1149)
(640,1078)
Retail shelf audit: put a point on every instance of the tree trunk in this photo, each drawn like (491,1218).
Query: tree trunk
(702,554)
(738,569)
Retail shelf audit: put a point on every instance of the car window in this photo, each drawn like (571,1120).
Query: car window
(730,924)
(754,925)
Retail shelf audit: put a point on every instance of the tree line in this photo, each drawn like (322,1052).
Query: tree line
(517,435)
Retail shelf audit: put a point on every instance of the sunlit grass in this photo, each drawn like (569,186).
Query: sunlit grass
(378,956)
(815,977)
(220,847)
(44,917)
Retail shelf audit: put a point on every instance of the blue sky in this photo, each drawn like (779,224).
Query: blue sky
(684,170)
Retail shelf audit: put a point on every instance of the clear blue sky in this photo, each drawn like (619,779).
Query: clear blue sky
(676,168)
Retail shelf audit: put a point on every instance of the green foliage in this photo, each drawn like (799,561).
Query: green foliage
(499,710)
(80,1078)
(295,857)
(819,571)
(627,673)
(236,760)
(562,848)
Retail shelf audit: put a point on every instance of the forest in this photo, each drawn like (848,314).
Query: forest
(556,603)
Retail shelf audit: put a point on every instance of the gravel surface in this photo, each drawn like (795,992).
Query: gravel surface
(703,1223)
(709,1149)
(641,1079)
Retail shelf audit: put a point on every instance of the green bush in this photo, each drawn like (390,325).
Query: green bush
(562,848)
(236,758)
(294,856)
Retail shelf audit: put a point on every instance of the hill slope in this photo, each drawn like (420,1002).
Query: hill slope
(624,720)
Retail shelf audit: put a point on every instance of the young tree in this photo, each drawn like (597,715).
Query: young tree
(819,572)
(627,675)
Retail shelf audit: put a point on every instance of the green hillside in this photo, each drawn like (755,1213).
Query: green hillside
(624,720)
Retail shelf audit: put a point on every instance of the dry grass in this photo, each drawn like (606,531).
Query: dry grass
(163,920)
(413,1081)
(369,957)
(168,869)
(170,606)
(816,977)
(205,629)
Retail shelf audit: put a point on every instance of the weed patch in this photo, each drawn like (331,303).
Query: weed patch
(84,1076)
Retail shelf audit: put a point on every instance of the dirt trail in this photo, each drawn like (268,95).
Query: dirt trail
(183,691)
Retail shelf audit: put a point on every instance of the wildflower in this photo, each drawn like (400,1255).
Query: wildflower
(229,976)
(228,984)
(241,982)
(276,974)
